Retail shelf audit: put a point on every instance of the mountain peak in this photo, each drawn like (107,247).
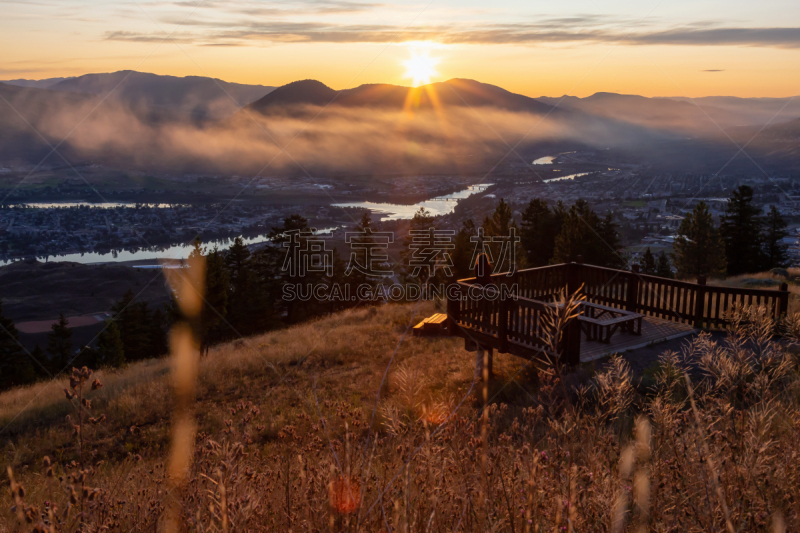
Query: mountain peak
(457,92)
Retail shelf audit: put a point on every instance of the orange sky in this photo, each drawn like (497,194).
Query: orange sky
(655,48)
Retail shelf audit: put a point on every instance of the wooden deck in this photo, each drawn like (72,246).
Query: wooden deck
(653,330)
(518,322)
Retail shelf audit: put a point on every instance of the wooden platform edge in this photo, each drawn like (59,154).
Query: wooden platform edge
(610,352)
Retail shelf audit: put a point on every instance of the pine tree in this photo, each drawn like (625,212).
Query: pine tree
(358,265)
(111,352)
(422,221)
(16,366)
(59,344)
(265,269)
(464,250)
(741,230)
(699,248)
(776,252)
(158,333)
(584,235)
(664,268)
(502,224)
(648,263)
(135,323)
(240,291)
(293,309)
(215,308)
(609,244)
(540,226)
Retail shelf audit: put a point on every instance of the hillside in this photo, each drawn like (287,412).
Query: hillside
(196,97)
(36,290)
(292,433)
(37,84)
(455,92)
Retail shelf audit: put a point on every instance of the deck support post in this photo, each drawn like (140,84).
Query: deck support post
(453,308)
(483,362)
(571,343)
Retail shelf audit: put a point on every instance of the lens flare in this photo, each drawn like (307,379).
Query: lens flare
(420,68)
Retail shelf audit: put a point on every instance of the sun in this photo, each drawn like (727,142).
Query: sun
(421,67)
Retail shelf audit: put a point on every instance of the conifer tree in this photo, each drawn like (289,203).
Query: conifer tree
(59,344)
(215,327)
(16,366)
(741,230)
(111,352)
(357,266)
(663,267)
(584,234)
(648,262)
(412,259)
(699,248)
(540,226)
(464,250)
(501,224)
(158,333)
(294,309)
(239,312)
(776,252)
(609,244)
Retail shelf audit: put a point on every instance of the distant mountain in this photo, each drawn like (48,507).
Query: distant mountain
(195,97)
(36,84)
(455,92)
(659,113)
(751,111)
(694,116)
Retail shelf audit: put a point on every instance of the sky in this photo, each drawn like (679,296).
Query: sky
(537,48)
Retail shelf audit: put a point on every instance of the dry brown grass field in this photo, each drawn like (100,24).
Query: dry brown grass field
(349,424)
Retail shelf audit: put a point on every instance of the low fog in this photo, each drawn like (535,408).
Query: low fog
(328,140)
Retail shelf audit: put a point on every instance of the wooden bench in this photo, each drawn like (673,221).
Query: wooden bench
(600,322)
(433,325)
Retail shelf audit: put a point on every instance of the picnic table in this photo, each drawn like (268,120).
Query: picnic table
(600,322)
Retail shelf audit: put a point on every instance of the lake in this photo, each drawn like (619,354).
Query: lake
(440,205)
(546,160)
(178,251)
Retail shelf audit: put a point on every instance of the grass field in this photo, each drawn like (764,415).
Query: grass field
(346,424)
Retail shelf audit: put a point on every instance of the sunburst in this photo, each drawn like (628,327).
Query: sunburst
(421,67)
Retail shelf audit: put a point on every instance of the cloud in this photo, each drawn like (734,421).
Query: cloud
(551,31)
(714,70)
(296,7)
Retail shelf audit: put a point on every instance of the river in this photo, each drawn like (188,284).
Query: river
(440,205)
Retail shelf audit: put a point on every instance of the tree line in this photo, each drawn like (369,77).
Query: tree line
(745,242)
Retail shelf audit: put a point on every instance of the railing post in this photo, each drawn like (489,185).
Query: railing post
(572,278)
(506,306)
(633,289)
(784,299)
(700,302)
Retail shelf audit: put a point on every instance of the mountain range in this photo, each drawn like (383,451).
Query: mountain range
(194,97)
(140,119)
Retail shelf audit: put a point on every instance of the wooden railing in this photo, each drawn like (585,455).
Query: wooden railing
(515,324)
(698,304)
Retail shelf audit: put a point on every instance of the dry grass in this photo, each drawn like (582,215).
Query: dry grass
(287,440)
